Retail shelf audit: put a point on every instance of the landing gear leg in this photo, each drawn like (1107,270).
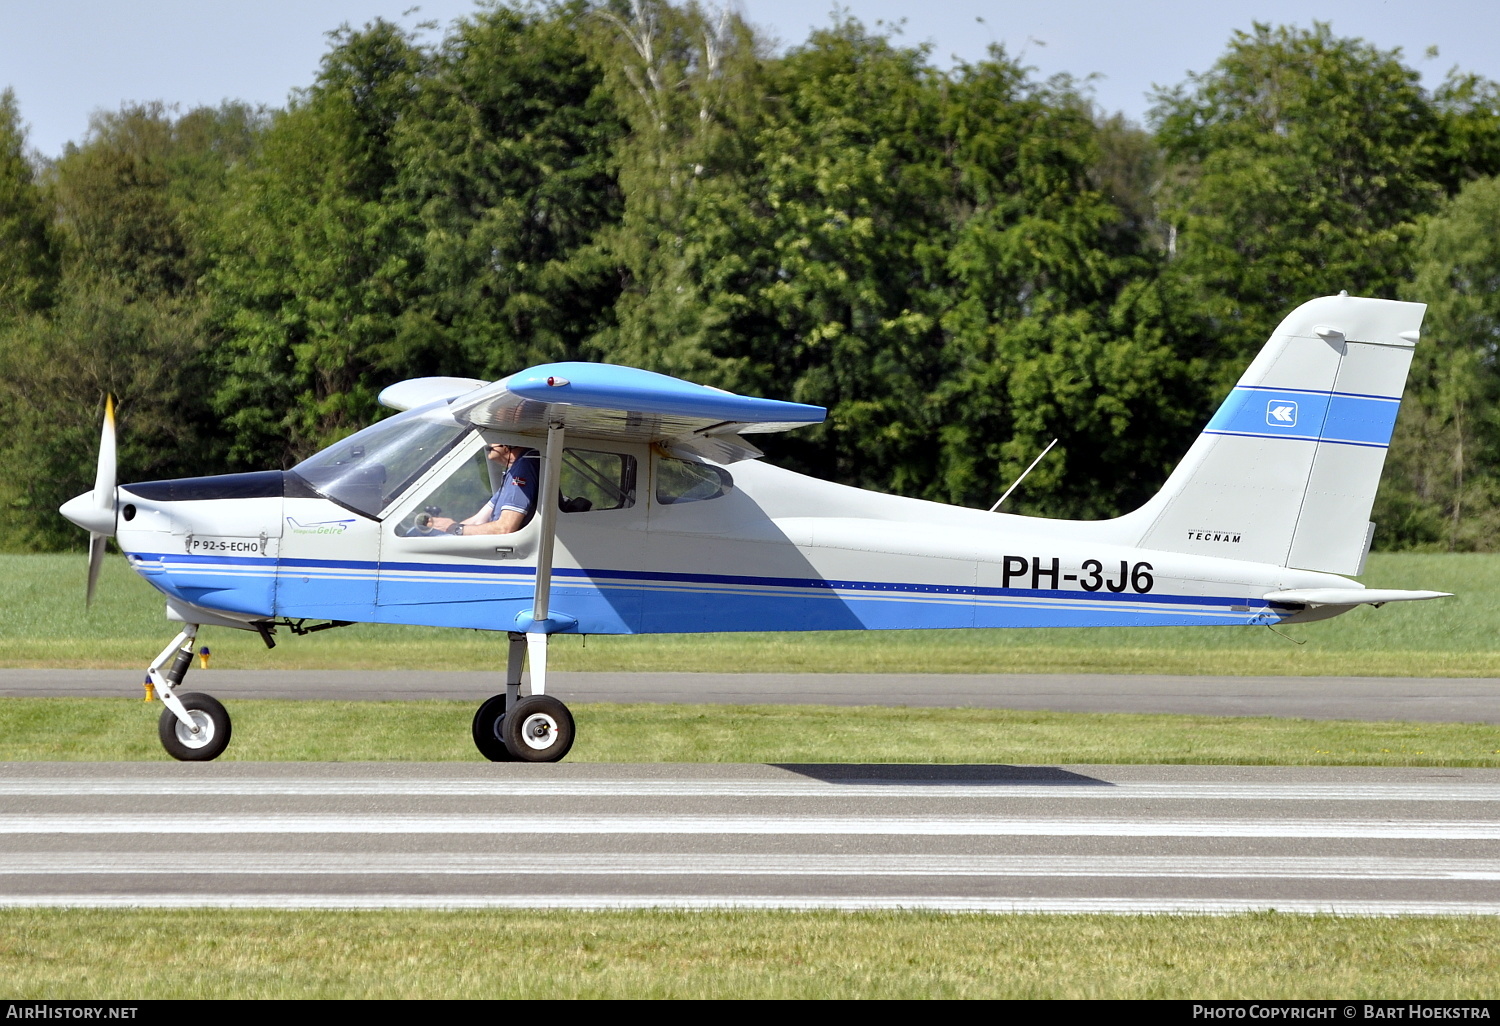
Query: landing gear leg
(193,727)
(490,719)
(538,728)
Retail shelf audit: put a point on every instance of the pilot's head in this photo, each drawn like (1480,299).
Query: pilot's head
(505,455)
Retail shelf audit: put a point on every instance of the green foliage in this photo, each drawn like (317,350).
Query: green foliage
(125,317)
(1440,489)
(1056,330)
(1297,166)
(28,269)
(507,166)
(961,265)
(842,282)
(314,255)
(688,86)
(55,370)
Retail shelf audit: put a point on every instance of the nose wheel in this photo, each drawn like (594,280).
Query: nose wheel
(208,736)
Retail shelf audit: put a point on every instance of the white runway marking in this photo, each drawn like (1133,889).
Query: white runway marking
(1164,840)
(902,826)
(1080,906)
(879,790)
(428,864)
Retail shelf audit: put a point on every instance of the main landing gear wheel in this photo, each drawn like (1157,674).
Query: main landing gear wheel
(488,723)
(213,729)
(538,729)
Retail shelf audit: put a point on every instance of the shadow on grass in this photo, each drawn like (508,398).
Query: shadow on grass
(924,773)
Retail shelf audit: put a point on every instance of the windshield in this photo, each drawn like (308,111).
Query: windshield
(369,469)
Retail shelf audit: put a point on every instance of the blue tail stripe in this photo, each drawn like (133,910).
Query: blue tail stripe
(1344,418)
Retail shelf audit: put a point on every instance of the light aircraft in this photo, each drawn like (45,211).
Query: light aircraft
(655,517)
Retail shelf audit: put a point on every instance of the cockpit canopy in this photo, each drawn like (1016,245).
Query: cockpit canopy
(370,469)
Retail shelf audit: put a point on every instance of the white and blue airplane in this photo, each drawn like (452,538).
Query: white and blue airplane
(656,517)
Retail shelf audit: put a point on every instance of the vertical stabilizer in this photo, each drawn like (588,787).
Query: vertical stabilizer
(1286,470)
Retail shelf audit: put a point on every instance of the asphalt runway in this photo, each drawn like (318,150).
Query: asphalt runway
(1434,699)
(1132,839)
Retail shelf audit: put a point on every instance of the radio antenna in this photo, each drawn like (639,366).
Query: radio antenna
(1023,475)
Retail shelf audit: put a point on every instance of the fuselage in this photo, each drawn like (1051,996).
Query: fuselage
(764,549)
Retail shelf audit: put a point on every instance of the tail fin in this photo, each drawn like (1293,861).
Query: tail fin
(1286,471)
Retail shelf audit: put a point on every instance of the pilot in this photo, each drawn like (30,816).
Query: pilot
(510,508)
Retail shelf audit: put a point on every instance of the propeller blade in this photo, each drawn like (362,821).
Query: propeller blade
(104,476)
(96,560)
(95,511)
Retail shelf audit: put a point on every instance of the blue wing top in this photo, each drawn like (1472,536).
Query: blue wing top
(605,401)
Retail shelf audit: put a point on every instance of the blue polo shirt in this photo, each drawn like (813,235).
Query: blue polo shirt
(518,490)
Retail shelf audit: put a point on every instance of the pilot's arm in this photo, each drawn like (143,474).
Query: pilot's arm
(515,500)
(509,521)
(470,523)
(482,517)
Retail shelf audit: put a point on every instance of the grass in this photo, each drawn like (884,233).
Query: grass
(145,954)
(43,624)
(109,729)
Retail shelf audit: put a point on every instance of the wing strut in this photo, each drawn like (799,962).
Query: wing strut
(536,640)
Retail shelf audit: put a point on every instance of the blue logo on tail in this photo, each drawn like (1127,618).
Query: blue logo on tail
(1281,413)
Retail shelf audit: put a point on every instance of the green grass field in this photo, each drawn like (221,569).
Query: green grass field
(43,623)
(139,954)
(265,730)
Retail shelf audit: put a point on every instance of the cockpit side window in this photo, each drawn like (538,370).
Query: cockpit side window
(459,495)
(596,480)
(367,471)
(679,481)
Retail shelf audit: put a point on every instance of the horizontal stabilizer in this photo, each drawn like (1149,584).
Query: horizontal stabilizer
(1350,596)
(414,392)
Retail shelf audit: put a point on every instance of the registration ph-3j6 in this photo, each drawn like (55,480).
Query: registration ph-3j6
(654,515)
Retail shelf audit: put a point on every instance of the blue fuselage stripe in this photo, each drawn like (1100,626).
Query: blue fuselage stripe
(240,567)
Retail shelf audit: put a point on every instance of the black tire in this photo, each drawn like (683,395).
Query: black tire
(488,722)
(213,721)
(538,729)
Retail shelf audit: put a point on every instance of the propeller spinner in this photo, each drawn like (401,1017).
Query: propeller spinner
(95,511)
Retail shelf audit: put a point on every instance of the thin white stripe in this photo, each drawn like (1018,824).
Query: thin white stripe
(877,790)
(1115,906)
(813,864)
(966,826)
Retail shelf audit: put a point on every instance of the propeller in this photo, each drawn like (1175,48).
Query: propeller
(95,511)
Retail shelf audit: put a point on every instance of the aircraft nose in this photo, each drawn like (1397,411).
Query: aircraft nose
(92,516)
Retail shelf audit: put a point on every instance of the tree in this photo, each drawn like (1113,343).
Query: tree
(1441,489)
(124,318)
(1297,166)
(508,168)
(314,254)
(819,262)
(688,83)
(55,370)
(1056,330)
(28,267)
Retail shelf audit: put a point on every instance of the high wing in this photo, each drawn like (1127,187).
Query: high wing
(595,400)
(414,392)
